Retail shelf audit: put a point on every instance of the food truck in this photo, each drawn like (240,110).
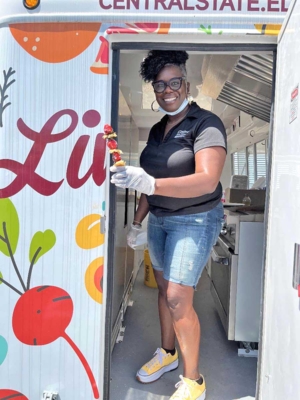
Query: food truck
(66,272)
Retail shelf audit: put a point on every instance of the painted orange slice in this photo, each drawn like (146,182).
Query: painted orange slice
(55,42)
(93,279)
(88,235)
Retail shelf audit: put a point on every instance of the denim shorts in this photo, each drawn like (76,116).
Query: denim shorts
(180,245)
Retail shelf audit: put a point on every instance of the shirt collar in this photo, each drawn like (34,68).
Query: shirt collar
(194,110)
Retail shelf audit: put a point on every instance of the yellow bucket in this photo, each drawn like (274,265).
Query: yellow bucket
(149,278)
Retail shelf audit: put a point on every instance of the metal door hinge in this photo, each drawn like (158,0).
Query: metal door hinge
(47,395)
(102,223)
(121,334)
(248,349)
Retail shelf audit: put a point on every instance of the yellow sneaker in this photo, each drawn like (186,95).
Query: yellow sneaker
(188,389)
(161,362)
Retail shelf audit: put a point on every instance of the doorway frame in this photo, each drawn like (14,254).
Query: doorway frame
(211,48)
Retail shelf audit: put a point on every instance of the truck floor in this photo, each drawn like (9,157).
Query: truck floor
(228,377)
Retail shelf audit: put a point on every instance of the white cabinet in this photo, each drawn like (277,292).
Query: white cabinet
(236,276)
(248,285)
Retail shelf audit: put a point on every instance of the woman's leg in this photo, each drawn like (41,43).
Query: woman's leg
(165,317)
(188,244)
(186,325)
(156,244)
(163,361)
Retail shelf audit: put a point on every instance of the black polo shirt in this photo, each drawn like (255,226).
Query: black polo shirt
(174,156)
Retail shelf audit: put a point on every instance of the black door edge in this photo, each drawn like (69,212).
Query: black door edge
(111,235)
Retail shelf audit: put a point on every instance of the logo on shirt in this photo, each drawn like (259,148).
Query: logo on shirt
(180,134)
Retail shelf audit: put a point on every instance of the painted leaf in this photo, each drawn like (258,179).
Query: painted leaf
(1,276)
(9,226)
(3,349)
(43,241)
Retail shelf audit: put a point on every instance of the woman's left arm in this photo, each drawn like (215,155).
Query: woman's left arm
(209,165)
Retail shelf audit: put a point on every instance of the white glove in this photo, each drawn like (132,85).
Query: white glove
(132,235)
(133,178)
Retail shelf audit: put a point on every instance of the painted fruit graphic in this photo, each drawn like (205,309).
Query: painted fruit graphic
(93,279)
(6,394)
(41,316)
(55,42)
(43,313)
(88,235)
(141,27)
(100,65)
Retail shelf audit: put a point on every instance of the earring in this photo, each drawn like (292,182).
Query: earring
(190,98)
(152,106)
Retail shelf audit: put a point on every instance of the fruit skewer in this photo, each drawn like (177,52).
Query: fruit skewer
(112,144)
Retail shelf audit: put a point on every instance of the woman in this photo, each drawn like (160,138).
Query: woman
(179,179)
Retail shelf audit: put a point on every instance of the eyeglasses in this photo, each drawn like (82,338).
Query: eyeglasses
(174,84)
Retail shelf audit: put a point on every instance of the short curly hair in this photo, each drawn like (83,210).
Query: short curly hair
(158,59)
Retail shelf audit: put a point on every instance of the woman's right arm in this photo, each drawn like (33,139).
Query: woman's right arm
(142,210)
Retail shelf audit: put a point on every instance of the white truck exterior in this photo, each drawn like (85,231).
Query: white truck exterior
(56,237)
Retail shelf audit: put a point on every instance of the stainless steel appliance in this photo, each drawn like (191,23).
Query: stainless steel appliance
(235,273)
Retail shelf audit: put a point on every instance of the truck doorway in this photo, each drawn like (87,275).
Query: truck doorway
(236,82)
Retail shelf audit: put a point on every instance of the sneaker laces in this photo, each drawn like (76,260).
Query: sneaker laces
(158,356)
(183,390)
